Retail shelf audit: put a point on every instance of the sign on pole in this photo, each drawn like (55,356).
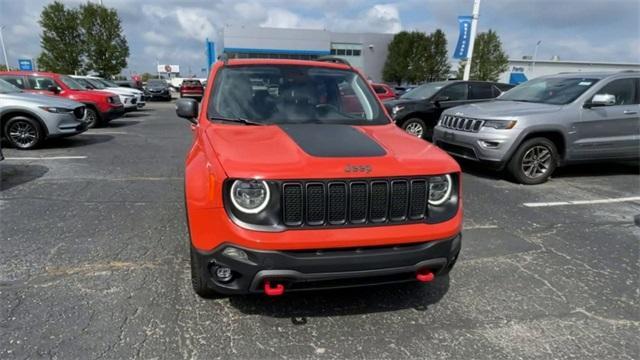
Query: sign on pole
(472,38)
(25,64)
(462,48)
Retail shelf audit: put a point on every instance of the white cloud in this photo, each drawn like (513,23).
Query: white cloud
(155,38)
(385,17)
(250,11)
(195,23)
(280,18)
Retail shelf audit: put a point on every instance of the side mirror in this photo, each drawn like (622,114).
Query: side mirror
(54,89)
(188,109)
(601,100)
(439,99)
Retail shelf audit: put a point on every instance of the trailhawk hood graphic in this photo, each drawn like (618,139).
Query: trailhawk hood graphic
(298,151)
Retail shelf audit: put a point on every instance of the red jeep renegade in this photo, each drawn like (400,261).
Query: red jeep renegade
(297,179)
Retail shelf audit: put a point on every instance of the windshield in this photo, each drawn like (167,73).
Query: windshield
(156,82)
(557,91)
(6,87)
(285,94)
(84,83)
(71,83)
(96,83)
(107,83)
(423,91)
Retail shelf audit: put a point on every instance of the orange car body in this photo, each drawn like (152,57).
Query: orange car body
(223,151)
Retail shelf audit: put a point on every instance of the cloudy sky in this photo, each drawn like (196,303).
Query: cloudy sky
(173,31)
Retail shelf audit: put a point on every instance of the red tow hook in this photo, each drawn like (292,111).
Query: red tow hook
(425,275)
(273,291)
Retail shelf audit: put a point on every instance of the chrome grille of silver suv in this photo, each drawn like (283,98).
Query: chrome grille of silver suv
(461,123)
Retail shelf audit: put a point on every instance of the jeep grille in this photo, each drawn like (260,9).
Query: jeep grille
(461,123)
(354,202)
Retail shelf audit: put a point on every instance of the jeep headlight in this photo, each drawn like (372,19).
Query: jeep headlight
(439,189)
(250,196)
(500,124)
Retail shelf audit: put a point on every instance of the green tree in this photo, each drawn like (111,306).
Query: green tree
(415,57)
(146,76)
(489,60)
(105,47)
(438,66)
(397,63)
(61,39)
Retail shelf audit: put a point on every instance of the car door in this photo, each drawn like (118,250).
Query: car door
(612,131)
(42,84)
(455,95)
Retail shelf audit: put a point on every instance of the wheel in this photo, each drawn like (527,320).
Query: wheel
(534,161)
(198,280)
(23,132)
(416,127)
(91,117)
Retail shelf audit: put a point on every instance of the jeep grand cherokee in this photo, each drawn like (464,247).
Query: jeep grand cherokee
(297,179)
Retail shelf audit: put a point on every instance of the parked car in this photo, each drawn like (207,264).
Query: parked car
(191,88)
(288,190)
(400,90)
(383,91)
(157,89)
(28,119)
(101,106)
(132,99)
(548,122)
(418,110)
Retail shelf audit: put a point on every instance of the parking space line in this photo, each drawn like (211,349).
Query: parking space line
(106,132)
(46,158)
(583,202)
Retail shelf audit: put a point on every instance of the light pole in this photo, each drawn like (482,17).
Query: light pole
(4,51)
(535,53)
(472,40)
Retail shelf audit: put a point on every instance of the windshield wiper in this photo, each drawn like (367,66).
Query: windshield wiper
(238,119)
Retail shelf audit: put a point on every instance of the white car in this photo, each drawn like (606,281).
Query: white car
(131,98)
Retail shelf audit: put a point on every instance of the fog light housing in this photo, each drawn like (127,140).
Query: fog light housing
(223,274)
(235,253)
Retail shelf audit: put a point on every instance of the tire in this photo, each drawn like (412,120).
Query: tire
(534,161)
(23,132)
(198,280)
(416,127)
(92,117)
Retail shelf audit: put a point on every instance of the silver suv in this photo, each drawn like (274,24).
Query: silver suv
(27,119)
(548,122)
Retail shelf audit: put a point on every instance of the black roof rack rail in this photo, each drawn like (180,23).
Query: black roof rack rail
(333,59)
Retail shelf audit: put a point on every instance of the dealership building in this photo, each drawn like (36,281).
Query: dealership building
(366,51)
(521,70)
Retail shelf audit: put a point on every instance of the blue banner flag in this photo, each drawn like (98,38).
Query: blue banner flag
(462,48)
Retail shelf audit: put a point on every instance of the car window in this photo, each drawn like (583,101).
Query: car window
(624,90)
(7,88)
(550,90)
(283,94)
(455,92)
(41,82)
(379,89)
(480,91)
(17,81)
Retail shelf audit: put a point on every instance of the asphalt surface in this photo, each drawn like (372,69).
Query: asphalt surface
(94,265)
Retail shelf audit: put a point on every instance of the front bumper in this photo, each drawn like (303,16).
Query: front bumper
(62,124)
(113,113)
(483,146)
(299,270)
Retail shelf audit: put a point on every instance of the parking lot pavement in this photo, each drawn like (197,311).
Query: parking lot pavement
(94,264)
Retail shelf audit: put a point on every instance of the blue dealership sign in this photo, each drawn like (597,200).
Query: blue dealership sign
(25,64)
(211,53)
(462,48)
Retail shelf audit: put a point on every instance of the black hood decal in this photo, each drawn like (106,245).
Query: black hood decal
(333,140)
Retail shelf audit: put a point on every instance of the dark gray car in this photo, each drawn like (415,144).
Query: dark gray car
(548,122)
(28,119)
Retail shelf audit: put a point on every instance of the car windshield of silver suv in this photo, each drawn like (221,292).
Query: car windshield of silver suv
(557,91)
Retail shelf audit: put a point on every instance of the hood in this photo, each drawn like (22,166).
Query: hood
(40,100)
(314,151)
(502,108)
(123,90)
(389,104)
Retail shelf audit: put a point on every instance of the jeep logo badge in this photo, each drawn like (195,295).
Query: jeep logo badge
(358,169)
(458,114)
